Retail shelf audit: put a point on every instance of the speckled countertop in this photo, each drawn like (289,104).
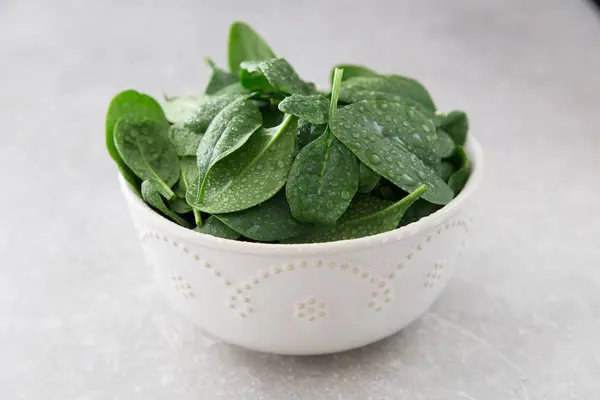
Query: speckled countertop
(80,317)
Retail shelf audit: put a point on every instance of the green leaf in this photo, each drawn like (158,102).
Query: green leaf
(443,145)
(267,222)
(307,133)
(151,196)
(252,174)
(418,210)
(246,45)
(179,109)
(147,151)
(389,138)
(456,124)
(229,130)
(313,108)
(133,106)
(215,227)
(189,174)
(271,116)
(275,74)
(367,179)
(184,140)
(396,89)
(219,79)
(179,205)
(323,178)
(366,216)
(199,119)
(445,170)
(351,71)
(458,180)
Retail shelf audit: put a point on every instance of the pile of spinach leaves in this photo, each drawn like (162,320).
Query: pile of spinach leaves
(263,155)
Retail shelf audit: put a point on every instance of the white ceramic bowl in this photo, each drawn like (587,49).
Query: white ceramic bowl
(306,298)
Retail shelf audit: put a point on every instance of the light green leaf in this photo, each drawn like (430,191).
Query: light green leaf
(199,119)
(275,74)
(179,109)
(246,45)
(184,140)
(215,227)
(389,138)
(351,71)
(219,79)
(313,108)
(252,174)
(151,196)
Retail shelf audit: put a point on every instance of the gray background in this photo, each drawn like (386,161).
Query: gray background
(80,317)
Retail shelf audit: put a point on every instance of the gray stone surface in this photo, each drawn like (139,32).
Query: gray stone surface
(80,317)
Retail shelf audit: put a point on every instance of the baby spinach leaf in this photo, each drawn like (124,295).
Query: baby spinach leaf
(147,151)
(151,196)
(252,174)
(133,106)
(445,170)
(246,45)
(366,216)
(267,222)
(215,227)
(189,174)
(313,108)
(458,180)
(443,145)
(179,205)
(219,79)
(275,74)
(391,88)
(351,71)
(418,210)
(184,140)
(179,109)
(389,138)
(307,133)
(324,176)
(367,179)
(228,131)
(271,116)
(456,124)
(199,119)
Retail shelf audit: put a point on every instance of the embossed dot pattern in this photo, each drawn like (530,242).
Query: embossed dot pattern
(311,310)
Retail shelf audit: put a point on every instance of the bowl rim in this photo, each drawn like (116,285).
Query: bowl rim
(233,246)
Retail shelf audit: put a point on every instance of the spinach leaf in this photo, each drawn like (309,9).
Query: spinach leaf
(184,140)
(443,145)
(179,109)
(456,124)
(418,210)
(307,133)
(199,119)
(275,74)
(151,196)
(445,170)
(388,138)
(267,222)
(458,180)
(351,71)
(246,45)
(229,130)
(133,106)
(324,176)
(391,88)
(147,151)
(271,116)
(367,179)
(179,205)
(189,174)
(219,79)
(313,108)
(366,215)
(215,227)
(252,174)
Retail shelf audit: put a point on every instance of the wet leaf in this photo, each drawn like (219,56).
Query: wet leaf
(151,196)
(351,71)
(390,139)
(367,179)
(246,45)
(179,109)
(200,118)
(312,108)
(219,79)
(307,133)
(184,140)
(275,74)
(214,227)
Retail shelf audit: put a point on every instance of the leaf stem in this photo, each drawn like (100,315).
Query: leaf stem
(335,90)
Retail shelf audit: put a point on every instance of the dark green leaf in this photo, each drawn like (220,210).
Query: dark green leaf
(367,179)
(418,210)
(133,106)
(189,174)
(184,140)
(246,45)
(179,205)
(219,79)
(151,196)
(351,71)
(389,138)
(252,174)
(275,75)
(313,108)
(458,180)
(445,170)
(456,124)
(271,116)
(215,227)
(366,216)
(267,222)
(307,133)
(395,89)
(199,119)
(229,130)
(443,144)
(147,151)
